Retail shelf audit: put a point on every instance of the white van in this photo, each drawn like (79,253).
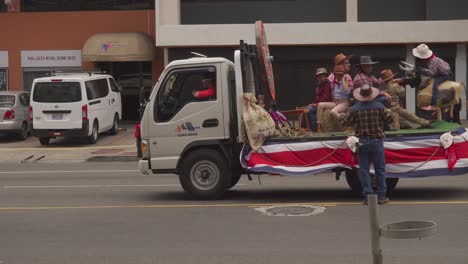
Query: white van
(75,105)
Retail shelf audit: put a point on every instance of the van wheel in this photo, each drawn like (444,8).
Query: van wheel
(44,141)
(204,174)
(92,139)
(352,178)
(24,131)
(115,126)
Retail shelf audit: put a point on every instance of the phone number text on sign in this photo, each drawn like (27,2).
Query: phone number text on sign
(51,58)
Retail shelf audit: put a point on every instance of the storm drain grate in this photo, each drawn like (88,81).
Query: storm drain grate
(291,210)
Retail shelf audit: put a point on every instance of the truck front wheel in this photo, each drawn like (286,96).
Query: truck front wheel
(204,174)
(352,178)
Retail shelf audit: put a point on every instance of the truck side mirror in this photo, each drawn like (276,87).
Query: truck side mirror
(119,87)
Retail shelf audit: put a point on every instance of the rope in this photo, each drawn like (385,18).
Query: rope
(305,165)
(420,165)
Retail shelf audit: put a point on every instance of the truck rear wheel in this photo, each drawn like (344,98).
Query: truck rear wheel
(204,174)
(352,178)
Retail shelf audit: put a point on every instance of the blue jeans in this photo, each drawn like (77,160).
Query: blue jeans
(438,80)
(372,150)
(312,115)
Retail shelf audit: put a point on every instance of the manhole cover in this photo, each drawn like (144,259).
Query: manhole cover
(291,210)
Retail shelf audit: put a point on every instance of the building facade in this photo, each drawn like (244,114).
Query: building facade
(40,38)
(306,34)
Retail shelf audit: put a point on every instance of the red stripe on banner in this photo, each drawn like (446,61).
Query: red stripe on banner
(323,156)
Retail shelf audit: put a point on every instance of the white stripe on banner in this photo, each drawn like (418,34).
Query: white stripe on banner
(303,146)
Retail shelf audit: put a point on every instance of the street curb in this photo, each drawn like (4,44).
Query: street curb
(112,159)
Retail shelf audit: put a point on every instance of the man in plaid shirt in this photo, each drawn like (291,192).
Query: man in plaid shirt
(368,118)
(433,66)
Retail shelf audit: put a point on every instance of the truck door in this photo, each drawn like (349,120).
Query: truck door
(188,107)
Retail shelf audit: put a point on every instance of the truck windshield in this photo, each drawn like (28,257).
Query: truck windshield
(7,100)
(57,92)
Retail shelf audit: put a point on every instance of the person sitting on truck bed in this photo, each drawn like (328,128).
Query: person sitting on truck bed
(341,90)
(368,118)
(323,93)
(209,90)
(402,116)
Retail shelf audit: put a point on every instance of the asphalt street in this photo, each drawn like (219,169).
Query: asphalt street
(109,213)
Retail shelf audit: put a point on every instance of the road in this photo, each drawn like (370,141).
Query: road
(109,213)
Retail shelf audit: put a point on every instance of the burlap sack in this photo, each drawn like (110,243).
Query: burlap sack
(258,123)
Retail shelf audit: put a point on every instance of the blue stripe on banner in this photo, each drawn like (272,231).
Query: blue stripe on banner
(429,173)
(272,170)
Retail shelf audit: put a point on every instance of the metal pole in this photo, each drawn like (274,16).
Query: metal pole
(374,229)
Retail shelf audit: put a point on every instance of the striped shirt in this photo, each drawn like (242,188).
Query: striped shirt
(368,118)
(362,78)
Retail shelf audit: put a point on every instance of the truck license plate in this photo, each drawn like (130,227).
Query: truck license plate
(57,116)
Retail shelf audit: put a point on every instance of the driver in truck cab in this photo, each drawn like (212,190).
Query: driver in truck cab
(209,89)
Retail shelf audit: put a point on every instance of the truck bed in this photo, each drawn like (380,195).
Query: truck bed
(408,153)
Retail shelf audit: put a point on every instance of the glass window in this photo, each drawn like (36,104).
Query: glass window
(29,76)
(96,89)
(447,10)
(3,79)
(113,85)
(183,87)
(395,10)
(24,99)
(57,92)
(7,100)
(270,11)
(84,5)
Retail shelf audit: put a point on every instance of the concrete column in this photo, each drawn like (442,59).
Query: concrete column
(166,56)
(351,10)
(410,92)
(167,12)
(460,74)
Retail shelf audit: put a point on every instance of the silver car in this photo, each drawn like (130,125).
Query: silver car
(14,113)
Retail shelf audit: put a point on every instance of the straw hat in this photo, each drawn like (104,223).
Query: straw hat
(338,69)
(422,51)
(365,93)
(341,57)
(363,60)
(387,74)
(321,71)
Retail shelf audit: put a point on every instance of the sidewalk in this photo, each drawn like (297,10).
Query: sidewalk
(120,147)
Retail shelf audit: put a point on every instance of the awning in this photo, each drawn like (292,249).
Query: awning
(134,46)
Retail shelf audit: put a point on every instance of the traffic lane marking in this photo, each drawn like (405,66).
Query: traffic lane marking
(77,171)
(175,206)
(69,148)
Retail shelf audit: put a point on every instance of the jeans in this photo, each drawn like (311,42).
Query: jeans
(312,115)
(438,80)
(372,150)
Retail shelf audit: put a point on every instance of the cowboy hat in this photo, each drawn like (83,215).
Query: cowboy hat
(387,74)
(338,69)
(321,71)
(341,57)
(422,51)
(363,60)
(365,93)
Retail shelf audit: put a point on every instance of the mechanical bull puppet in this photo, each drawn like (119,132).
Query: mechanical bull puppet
(449,91)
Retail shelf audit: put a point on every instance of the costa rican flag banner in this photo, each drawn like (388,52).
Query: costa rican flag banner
(406,157)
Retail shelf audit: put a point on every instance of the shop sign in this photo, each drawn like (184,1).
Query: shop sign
(51,58)
(3,59)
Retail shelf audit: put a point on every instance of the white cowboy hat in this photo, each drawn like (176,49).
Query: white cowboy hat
(422,51)
(365,93)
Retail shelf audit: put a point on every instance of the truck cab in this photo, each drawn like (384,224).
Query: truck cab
(192,136)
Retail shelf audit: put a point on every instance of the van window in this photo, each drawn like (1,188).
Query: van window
(57,92)
(96,89)
(7,100)
(113,85)
(182,87)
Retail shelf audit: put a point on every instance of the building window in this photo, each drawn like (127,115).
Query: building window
(3,79)
(272,11)
(84,5)
(29,74)
(396,10)
(447,10)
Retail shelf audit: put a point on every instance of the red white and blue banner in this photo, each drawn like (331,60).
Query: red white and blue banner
(412,156)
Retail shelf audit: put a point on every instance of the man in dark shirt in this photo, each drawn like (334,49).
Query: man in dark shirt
(323,93)
(368,118)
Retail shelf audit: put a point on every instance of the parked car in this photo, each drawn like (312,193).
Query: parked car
(75,105)
(14,116)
